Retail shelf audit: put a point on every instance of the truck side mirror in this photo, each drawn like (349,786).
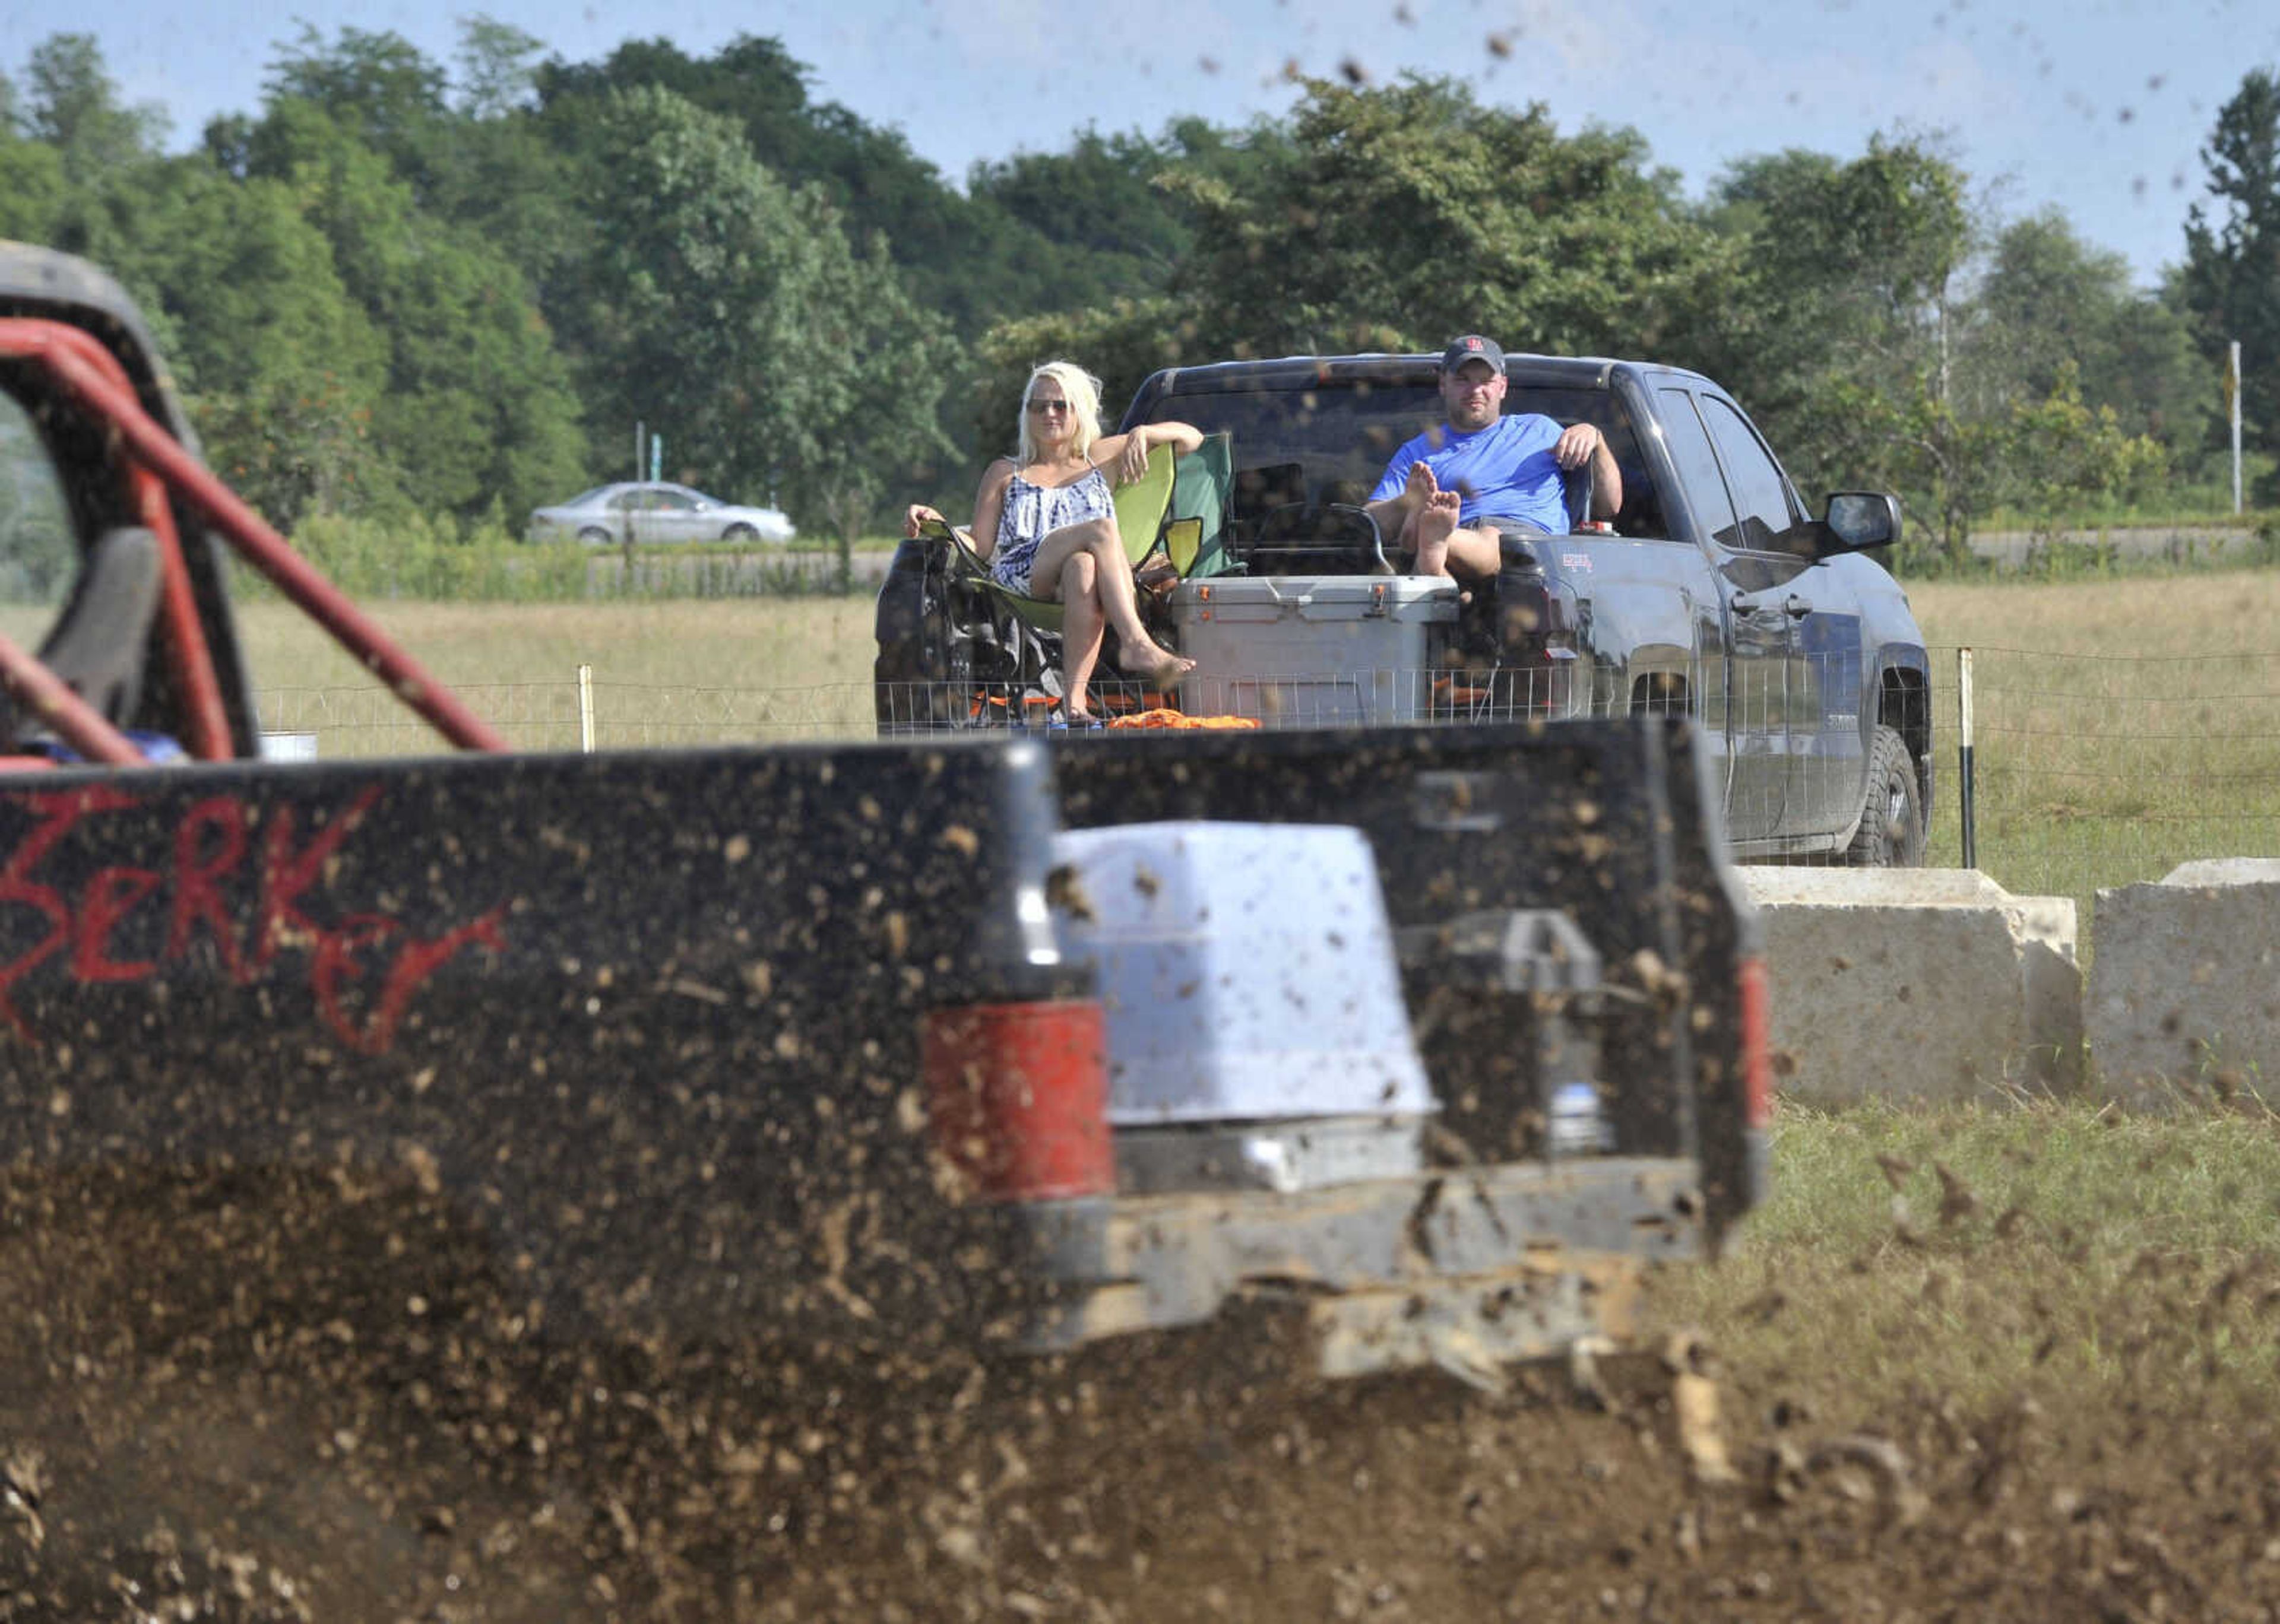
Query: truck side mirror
(1860,519)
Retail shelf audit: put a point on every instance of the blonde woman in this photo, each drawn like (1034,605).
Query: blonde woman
(1044,523)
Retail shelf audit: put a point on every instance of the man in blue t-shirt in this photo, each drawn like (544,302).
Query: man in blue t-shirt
(1481,464)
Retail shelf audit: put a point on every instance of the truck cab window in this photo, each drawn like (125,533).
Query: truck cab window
(1698,467)
(1760,494)
(38,552)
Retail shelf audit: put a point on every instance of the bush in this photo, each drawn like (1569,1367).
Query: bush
(436,559)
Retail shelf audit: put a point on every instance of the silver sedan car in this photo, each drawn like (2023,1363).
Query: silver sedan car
(650,512)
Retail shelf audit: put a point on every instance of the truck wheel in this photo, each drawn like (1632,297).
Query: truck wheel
(1892,832)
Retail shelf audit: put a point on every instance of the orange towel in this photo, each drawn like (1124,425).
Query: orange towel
(1176,719)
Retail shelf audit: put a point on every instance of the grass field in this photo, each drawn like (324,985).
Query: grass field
(2080,1256)
(665,672)
(2124,725)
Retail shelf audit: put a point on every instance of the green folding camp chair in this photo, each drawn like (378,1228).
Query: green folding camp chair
(1195,524)
(1140,510)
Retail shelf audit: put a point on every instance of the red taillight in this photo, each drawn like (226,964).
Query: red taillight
(1017,1097)
(1757,1060)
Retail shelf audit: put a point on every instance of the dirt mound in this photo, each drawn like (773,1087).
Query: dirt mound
(241,1402)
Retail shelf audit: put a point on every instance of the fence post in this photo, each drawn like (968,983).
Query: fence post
(2233,406)
(586,709)
(1963,753)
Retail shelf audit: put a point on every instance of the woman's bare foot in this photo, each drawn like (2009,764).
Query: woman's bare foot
(1159,668)
(1436,522)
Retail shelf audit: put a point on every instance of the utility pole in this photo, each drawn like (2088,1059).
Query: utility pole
(641,442)
(2232,396)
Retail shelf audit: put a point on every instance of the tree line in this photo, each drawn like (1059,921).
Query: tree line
(404,285)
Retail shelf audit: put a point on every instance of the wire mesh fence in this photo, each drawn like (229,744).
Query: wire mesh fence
(2106,769)
(2090,770)
(367,720)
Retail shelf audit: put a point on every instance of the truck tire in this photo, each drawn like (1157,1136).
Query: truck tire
(1892,832)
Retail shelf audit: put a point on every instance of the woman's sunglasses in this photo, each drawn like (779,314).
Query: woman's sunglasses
(1038,408)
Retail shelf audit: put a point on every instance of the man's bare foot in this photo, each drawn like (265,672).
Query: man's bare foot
(1159,668)
(1435,525)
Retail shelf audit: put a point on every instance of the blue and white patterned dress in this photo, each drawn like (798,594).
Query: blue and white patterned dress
(1032,512)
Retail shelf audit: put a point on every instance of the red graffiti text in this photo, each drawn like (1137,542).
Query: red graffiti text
(250,901)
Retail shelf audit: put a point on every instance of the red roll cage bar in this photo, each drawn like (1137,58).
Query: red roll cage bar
(89,374)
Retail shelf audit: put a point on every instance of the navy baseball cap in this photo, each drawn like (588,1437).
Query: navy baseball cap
(1472,347)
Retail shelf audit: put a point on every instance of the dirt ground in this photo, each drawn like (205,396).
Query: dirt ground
(223,1402)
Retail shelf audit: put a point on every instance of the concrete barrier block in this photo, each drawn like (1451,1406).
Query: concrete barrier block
(2185,986)
(1916,984)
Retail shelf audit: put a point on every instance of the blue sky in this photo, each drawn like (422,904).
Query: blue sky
(2098,106)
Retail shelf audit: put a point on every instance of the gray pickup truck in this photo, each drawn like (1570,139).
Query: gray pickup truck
(1712,593)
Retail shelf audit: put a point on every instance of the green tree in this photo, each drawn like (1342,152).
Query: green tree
(2045,454)
(31,188)
(376,85)
(88,169)
(967,257)
(728,311)
(281,371)
(1383,218)
(2231,279)
(1114,232)
(2048,301)
(84,198)
(871,449)
(501,181)
(1409,213)
(478,411)
(1842,273)
(75,108)
(498,67)
(1842,320)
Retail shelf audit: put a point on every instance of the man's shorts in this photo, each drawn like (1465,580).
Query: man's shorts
(1502,524)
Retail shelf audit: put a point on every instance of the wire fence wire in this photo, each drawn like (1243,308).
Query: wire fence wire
(2090,770)
(368,721)
(2109,769)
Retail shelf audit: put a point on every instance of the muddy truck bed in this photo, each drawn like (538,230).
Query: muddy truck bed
(548,1187)
(654,1029)
(785,1042)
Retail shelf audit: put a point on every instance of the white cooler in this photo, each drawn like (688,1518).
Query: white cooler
(1303,651)
(1253,1003)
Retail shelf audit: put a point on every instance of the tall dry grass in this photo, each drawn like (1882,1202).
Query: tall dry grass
(2122,727)
(664,672)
